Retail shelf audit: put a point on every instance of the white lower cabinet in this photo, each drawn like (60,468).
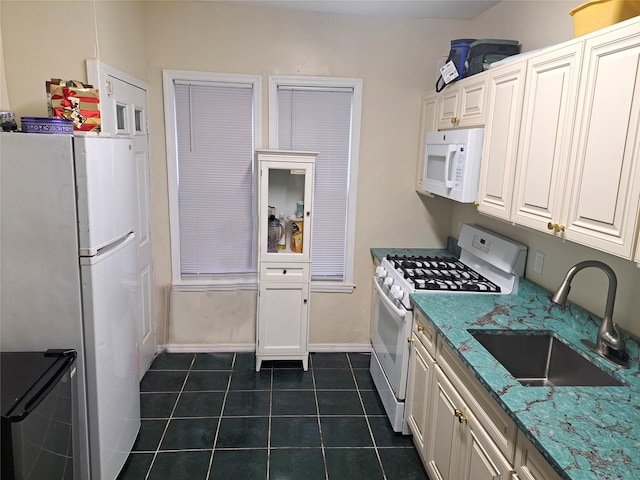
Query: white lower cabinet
(421,365)
(459,430)
(283,319)
(530,464)
(458,447)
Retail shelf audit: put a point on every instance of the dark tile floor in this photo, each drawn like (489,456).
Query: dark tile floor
(211,416)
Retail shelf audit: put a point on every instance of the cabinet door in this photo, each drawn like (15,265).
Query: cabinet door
(505,90)
(283,318)
(545,138)
(602,211)
(530,464)
(419,392)
(482,459)
(463,104)
(285,181)
(445,437)
(427,124)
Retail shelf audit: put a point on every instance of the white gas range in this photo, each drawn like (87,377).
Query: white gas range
(489,264)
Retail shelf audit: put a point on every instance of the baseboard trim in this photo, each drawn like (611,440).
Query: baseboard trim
(249,347)
(209,348)
(339,347)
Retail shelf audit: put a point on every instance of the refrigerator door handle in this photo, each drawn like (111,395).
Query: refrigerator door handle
(108,251)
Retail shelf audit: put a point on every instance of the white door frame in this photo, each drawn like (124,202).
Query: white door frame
(99,74)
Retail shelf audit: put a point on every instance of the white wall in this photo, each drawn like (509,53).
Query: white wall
(538,24)
(45,39)
(4,95)
(396,58)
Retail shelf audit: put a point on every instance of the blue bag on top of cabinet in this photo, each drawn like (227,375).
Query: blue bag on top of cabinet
(470,56)
(457,55)
(484,52)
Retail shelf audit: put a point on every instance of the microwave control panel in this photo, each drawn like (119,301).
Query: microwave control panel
(460,160)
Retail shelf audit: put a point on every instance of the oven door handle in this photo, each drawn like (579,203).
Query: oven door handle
(394,309)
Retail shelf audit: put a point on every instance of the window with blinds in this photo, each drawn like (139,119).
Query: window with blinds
(321,117)
(212,194)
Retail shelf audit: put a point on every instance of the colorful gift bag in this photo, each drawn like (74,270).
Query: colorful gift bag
(75,101)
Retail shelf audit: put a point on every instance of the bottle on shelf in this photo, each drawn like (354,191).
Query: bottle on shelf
(282,241)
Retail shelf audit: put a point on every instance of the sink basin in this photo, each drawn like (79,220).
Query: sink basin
(540,359)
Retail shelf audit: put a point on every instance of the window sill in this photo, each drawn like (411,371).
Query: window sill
(221,285)
(332,287)
(205,285)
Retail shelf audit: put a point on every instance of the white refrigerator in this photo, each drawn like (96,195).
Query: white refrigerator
(68,278)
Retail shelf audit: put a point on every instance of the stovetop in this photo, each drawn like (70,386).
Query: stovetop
(439,274)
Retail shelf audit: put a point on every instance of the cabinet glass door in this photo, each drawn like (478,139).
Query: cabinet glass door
(285,213)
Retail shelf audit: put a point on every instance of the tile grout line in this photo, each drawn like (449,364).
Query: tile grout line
(366,418)
(269,424)
(315,395)
(155,455)
(224,403)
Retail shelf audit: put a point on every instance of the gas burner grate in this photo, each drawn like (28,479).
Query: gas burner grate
(441,274)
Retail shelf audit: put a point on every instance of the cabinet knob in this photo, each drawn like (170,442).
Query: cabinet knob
(284,272)
(410,340)
(305,300)
(420,328)
(556,227)
(461,416)
(476,203)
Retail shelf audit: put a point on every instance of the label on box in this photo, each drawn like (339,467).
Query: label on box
(449,72)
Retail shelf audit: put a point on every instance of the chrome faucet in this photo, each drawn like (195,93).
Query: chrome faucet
(608,337)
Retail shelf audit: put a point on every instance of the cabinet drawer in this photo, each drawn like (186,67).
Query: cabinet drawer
(424,331)
(284,272)
(494,419)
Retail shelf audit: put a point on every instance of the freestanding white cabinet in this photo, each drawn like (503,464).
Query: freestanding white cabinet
(285,206)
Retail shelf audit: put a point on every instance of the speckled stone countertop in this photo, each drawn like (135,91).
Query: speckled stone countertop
(584,432)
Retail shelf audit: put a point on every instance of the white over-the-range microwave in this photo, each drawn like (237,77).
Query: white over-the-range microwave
(452,163)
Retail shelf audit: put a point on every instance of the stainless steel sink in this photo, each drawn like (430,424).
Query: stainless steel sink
(540,359)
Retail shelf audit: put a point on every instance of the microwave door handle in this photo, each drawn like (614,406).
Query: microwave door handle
(452,150)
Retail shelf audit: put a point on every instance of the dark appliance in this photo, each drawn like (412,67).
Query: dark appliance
(38,393)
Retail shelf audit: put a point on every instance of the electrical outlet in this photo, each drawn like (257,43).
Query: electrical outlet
(538,262)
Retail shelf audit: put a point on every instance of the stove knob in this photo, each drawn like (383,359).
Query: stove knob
(397,292)
(388,282)
(381,272)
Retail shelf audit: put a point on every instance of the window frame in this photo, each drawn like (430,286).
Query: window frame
(347,284)
(227,281)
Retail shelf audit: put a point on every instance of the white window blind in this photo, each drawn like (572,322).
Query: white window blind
(319,119)
(214,124)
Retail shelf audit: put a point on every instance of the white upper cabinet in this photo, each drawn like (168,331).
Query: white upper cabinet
(427,124)
(604,182)
(575,172)
(545,136)
(462,104)
(504,92)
